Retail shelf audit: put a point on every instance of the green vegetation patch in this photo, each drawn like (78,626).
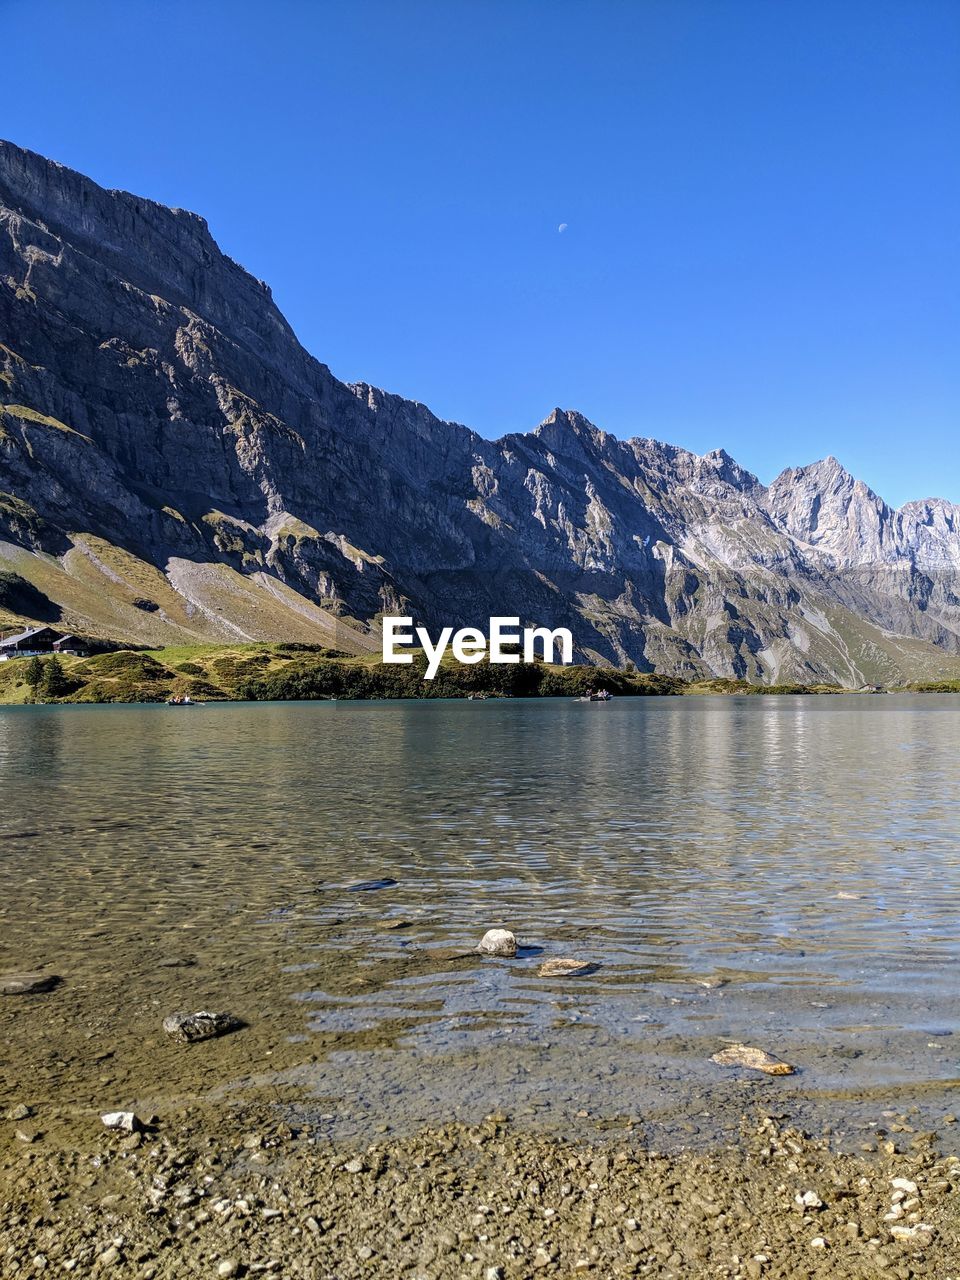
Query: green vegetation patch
(723,685)
(312,678)
(24,413)
(299,672)
(136,666)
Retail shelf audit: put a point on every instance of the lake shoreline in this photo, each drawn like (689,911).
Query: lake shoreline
(243,1190)
(754,692)
(300,672)
(146,703)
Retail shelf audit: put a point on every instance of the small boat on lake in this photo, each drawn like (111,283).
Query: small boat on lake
(183,702)
(600,695)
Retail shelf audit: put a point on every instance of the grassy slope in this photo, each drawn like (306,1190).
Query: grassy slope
(101,590)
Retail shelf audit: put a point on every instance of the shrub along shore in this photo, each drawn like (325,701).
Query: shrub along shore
(300,672)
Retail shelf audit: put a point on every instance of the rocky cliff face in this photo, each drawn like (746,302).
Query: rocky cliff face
(175,466)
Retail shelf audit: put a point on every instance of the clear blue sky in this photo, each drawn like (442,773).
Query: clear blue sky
(762,200)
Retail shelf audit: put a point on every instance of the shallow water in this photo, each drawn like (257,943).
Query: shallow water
(800,856)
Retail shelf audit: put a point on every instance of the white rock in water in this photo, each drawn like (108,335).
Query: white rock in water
(744,1055)
(498,942)
(124,1120)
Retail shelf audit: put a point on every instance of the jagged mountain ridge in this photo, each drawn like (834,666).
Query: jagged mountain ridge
(174,466)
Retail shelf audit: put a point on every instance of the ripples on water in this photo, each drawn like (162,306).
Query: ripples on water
(802,851)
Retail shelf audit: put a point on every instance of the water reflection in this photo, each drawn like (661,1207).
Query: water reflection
(800,855)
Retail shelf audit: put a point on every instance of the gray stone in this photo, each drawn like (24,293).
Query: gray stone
(566,967)
(26,983)
(188,1028)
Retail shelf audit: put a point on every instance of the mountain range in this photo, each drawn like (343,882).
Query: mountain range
(176,468)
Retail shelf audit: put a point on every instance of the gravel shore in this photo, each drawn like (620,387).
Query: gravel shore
(234,1192)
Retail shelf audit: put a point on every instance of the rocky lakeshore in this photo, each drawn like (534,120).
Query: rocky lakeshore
(240,1192)
(223,1158)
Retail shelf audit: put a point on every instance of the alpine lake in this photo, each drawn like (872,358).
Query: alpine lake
(777,872)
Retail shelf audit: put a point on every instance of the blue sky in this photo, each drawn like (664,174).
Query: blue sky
(761,196)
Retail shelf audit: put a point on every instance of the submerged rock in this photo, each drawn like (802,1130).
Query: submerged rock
(447,955)
(188,1028)
(742,1055)
(566,968)
(369,886)
(498,942)
(26,984)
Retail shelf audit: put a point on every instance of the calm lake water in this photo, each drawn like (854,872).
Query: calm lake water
(781,871)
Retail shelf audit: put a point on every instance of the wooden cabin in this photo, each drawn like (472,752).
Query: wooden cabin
(37,642)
